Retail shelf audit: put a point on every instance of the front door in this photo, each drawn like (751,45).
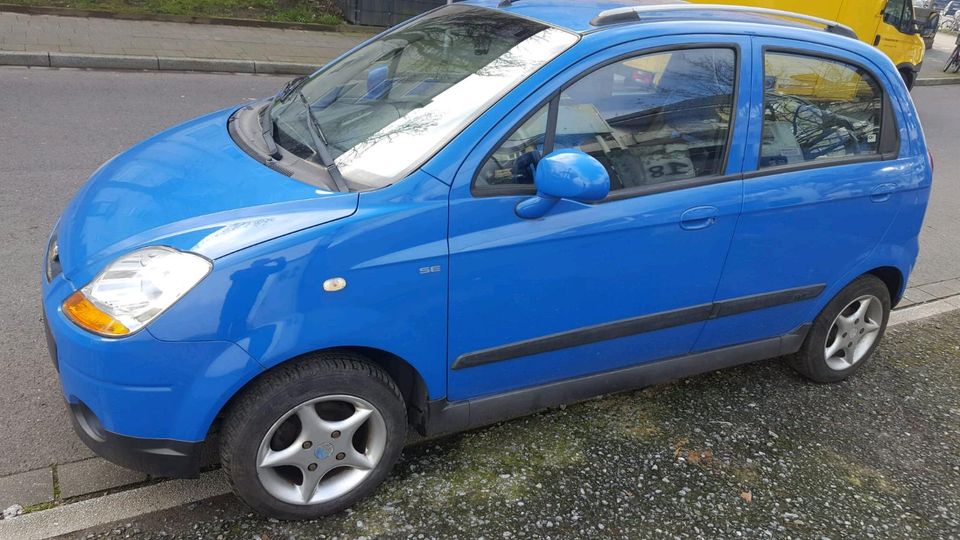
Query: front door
(892,38)
(593,287)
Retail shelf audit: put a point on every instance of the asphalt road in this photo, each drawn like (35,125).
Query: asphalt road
(58,126)
(939,108)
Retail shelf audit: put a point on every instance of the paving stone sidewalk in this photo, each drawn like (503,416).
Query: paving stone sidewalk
(77,35)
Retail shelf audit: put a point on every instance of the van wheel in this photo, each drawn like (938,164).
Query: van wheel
(908,78)
(311,438)
(846,332)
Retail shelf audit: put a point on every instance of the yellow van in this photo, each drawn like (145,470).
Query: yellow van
(889,25)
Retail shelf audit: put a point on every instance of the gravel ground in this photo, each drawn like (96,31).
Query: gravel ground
(752,452)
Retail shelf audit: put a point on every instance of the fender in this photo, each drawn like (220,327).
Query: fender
(270,298)
(897,249)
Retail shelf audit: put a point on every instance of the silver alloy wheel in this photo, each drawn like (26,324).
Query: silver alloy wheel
(321,449)
(853,332)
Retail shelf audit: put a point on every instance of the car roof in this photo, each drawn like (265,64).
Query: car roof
(569,14)
(581,15)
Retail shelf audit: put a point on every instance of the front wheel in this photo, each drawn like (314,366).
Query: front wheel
(312,438)
(909,77)
(846,332)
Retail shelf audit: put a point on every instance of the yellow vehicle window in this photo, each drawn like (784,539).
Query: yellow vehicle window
(895,13)
(817,109)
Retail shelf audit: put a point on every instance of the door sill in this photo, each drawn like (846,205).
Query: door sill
(445,416)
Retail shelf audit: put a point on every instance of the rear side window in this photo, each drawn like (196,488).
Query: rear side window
(649,119)
(818,109)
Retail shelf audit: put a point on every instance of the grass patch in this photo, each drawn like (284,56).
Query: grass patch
(39,507)
(301,11)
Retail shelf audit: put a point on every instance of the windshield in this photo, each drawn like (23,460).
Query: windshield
(391,104)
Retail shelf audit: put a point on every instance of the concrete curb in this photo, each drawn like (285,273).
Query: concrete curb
(157,17)
(938,81)
(151,63)
(922,311)
(75,517)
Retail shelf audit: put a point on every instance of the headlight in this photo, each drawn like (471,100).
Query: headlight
(53,258)
(135,289)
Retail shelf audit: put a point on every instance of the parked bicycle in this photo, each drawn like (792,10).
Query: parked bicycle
(954,60)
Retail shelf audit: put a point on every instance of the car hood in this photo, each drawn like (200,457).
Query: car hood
(189,188)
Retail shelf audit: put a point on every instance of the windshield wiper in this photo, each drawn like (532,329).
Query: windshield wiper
(266,118)
(323,149)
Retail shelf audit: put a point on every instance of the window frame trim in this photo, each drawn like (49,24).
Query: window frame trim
(889,144)
(553,100)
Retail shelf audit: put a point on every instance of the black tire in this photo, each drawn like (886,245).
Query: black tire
(284,389)
(908,78)
(811,359)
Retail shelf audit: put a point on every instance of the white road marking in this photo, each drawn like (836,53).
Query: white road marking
(82,515)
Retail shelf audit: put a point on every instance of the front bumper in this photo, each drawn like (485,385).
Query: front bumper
(157,457)
(141,402)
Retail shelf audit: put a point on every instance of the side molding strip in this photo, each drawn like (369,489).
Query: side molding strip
(636,325)
(451,416)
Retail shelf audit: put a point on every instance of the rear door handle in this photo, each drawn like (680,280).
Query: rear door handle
(699,217)
(882,192)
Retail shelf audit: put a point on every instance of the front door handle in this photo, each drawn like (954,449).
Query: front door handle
(882,192)
(699,217)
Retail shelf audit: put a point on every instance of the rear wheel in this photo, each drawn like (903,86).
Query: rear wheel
(314,437)
(846,332)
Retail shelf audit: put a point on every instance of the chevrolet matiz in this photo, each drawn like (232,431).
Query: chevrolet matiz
(483,212)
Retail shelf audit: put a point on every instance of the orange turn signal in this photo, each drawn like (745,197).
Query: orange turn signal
(88,316)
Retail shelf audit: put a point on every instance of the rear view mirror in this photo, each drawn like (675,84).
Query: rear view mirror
(378,84)
(565,174)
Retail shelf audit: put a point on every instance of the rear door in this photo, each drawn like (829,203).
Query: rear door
(821,186)
(593,287)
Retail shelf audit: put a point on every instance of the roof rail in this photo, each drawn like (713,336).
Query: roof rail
(638,13)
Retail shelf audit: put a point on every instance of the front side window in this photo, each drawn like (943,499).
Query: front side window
(894,13)
(817,109)
(391,104)
(649,120)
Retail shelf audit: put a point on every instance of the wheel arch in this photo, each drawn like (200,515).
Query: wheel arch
(411,383)
(893,279)
(908,72)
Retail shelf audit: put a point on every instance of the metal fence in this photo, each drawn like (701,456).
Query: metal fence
(384,12)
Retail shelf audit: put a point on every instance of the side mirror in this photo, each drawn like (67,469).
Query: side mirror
(565,174)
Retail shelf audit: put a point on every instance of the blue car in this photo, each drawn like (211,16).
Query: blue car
(483,212)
